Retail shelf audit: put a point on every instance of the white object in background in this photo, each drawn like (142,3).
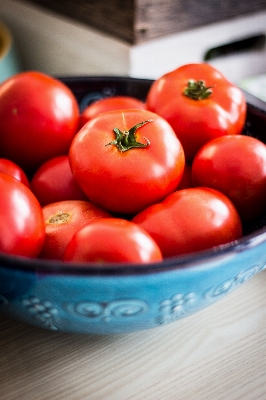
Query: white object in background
(153,58)
(61,46)
(255,85)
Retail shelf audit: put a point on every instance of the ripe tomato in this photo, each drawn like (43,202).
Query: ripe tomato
(112,240)
(11,168)
(22,228)
(62,220)
(126,160)
(199,103)
(186,180)
(236,166)
(54,182)
(110,104)
(191,220)
(39,117)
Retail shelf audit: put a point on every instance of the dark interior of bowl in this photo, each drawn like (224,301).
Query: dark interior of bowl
(88,89)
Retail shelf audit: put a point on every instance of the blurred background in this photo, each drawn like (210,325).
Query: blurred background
(141,38)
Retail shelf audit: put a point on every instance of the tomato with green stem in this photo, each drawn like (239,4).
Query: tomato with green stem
(199,103)
(126,160)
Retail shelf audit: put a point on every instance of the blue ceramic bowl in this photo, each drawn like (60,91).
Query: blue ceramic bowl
(119,298)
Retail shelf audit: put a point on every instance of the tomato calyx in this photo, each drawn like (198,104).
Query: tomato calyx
(59,218)
(126,140)
(197,90)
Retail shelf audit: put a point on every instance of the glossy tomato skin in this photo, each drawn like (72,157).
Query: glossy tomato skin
(54,181)
(191,220)
(110,104)
(62,220)
(198,121)
(22,228)
(236,166)
(126,182)
(40,115)
(112,240)
(11,168)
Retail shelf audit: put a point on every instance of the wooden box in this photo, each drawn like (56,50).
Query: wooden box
(178,32)
(137,21)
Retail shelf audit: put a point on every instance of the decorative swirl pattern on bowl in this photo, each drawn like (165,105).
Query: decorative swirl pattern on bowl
(231,284)
(108,310)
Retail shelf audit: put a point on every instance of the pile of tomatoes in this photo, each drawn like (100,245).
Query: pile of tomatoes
(126,180)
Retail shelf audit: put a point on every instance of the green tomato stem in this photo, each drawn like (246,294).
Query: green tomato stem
(126,140)
(197,90)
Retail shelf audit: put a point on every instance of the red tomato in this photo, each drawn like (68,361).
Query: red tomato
(54,181)
(186,180)
(112,240)
(62,220)
(22,228)
(11,168)
(199,103)
(126,160)
(236,166)
(191,220)
(110,104)
(39,117)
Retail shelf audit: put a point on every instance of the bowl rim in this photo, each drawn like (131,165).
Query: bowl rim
(186,262)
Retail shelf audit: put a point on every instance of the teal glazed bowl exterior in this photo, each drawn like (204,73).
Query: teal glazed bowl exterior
(118,298)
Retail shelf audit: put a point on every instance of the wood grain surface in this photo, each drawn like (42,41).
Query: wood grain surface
(136,21)
(216,354)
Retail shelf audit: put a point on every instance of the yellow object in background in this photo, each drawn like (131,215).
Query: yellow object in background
(9,60)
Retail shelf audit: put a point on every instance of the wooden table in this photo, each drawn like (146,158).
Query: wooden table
(216,354)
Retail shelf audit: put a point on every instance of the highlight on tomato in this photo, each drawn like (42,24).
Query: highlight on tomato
(236,166)
(39,117)
(9,167)
(112,240)
(191,220)
(199,103)
(126,160)
(22,229)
